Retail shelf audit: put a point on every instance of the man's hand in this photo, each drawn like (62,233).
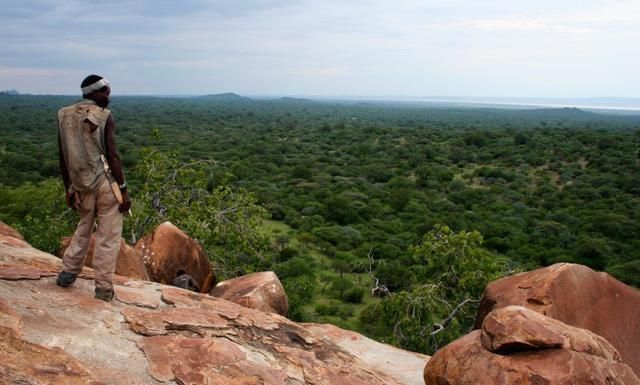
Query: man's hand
(73,200)
(126,202)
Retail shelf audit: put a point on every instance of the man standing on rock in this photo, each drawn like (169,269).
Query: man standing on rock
(91,168)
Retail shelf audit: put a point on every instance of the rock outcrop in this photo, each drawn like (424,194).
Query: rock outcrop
(404,367)
(26,363)
(262,291)
(168,251)
(577,296)
(519,346)
(11,237)
(157,334)
(466,362)
(516,328)
(128,264)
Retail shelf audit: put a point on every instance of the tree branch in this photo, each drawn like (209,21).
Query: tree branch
(441,326)
(378,289)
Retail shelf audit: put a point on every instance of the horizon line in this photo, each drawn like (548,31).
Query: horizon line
(469,101)
(350,96)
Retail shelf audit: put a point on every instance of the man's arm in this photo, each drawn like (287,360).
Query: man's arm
(63,165)
(114,161)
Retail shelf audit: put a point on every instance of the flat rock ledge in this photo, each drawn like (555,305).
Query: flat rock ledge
(157,334)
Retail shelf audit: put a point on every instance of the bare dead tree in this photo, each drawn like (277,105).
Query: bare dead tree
(443,325)
(415,307)
(378,289)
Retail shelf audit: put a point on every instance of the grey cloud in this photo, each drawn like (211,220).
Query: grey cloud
(315,45)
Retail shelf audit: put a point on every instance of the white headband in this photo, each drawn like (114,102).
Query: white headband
(95,86)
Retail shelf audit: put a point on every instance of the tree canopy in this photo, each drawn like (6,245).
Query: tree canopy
(429,202)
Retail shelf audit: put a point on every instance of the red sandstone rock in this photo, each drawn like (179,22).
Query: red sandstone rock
(129,263)
(168,250)
(516,328)
(7,231)
(9,318)
(156,334)
(15,273)
(20,259)
(132,296)
(22,362)
(577,296)
(200,361)
(404,367)
(11,237)
(261,291)
(466,362)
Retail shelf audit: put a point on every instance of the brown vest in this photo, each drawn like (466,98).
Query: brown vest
(82,147)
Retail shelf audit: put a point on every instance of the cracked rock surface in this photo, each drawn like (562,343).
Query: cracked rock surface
(157,334)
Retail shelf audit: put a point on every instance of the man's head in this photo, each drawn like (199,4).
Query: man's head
(96,88)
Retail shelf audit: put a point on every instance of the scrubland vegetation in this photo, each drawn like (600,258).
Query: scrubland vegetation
(424,204)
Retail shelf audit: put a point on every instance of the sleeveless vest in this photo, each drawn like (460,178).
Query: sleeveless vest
(81,146)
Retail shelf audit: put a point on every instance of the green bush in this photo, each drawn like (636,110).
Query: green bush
(353,295)
(628,272)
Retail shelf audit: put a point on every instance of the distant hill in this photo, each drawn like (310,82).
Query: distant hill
(229,96)
(9,92)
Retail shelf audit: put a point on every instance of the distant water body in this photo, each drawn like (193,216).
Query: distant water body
(614,104)
(599,104)
(621,105)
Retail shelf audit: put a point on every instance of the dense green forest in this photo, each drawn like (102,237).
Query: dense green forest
(428,203)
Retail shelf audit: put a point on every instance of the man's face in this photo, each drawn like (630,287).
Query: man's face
(102,96)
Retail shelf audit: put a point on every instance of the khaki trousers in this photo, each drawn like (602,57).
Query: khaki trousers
(102,205)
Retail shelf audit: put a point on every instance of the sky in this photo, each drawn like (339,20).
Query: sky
(396,48)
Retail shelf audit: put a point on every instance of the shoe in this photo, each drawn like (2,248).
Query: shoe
(105,295)
(66,279)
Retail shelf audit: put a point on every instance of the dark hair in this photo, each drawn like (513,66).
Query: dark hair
(90,80)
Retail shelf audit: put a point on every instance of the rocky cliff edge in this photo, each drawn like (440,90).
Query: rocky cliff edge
(158,334)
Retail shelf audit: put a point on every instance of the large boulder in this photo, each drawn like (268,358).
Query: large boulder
(128,264)
(261,291)
(157,334)
(520,346)
(168,253)
(578,296)
(516,328)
